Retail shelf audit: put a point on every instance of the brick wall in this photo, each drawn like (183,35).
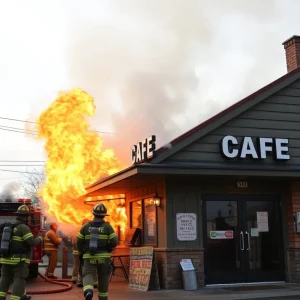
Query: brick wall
(293,203)
(292,53)
(169,270)
(167,261)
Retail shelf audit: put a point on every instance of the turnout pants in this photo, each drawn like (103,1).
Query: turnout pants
(52,255)
(15,274)
(102,267)
(76,266)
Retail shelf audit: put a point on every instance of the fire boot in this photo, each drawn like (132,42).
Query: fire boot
(95,284)
(88,294)
(25,297)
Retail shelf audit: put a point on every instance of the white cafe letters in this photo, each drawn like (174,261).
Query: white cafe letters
(231,148)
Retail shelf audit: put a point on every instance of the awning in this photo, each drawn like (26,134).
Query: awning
(146,174)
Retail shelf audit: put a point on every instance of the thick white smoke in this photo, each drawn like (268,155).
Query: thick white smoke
(162,67)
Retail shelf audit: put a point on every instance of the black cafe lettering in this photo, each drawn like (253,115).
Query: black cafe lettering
(232,148)
(143,150)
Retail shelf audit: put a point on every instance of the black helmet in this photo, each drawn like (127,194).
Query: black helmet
(23,210)
(100,210)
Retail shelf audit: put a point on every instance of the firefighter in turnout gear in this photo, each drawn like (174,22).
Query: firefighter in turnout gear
(52,241)
(96,240)
(15,266)
(78,262)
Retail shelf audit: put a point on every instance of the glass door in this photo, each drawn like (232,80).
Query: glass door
(243,239)
(263,238)
(223,240)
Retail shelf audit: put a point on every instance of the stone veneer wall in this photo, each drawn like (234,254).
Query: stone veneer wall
(169,269)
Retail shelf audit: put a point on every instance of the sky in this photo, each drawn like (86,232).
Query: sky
(154,67)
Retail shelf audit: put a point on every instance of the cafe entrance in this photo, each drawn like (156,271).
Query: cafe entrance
(243,239)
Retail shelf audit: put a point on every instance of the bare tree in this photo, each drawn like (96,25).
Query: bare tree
(31,182)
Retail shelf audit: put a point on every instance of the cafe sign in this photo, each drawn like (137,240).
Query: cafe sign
(143,150)
(259,149)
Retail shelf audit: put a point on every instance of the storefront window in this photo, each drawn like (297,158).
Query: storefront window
(150,236)
(143,215)
(136,214)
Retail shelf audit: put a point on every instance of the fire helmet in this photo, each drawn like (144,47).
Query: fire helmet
(23,210)
(100,210)
(52,225)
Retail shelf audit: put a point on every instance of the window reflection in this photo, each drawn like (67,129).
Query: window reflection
(136,214)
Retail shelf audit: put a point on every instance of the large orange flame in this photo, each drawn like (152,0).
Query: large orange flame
(76,158)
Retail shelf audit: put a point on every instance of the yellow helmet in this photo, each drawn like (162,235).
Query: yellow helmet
(23,210)
(100,210)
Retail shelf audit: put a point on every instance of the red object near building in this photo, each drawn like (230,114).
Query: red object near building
(36,225)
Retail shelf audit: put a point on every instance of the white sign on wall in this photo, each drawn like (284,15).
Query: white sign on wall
(186,226)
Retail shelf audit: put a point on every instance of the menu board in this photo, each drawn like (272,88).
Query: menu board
(140,268)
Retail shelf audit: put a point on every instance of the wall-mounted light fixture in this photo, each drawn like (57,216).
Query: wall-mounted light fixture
(156,201)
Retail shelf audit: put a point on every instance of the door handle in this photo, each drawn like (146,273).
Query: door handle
(248,241)
(242,245)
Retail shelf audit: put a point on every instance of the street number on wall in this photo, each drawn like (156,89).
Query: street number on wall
(242,184)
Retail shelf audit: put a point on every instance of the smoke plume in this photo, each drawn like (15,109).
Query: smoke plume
(10,191)
(161,67)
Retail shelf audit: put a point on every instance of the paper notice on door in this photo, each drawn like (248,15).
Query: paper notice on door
(254,232)
(262,221)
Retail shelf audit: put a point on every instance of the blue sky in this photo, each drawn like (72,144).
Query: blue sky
(154,67)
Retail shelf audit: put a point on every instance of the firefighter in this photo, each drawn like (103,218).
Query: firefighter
(15,267)
(78,262)
(96,240)
(77,268)
(52,241)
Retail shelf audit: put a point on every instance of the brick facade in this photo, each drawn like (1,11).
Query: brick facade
(292,53)
(293,201)
(169,270)
(167,261)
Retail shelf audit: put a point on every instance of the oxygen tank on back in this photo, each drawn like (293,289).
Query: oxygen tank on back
(94,240)
(5,241)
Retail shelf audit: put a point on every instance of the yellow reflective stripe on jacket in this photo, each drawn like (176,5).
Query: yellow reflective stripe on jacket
(13,260)
(17,238)
(3,294)
(75,252)
(112,235)
(49,245)
(100,237)
(102,294)
(97,255)
(27,236)
(80,236)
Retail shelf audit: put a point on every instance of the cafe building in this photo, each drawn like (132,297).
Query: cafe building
(225,194)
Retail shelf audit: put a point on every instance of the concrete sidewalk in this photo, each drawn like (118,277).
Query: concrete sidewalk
(119,290)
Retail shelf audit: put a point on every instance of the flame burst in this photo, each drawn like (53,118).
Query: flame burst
(75,159)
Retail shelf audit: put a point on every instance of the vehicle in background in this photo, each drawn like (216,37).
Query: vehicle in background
(36,224)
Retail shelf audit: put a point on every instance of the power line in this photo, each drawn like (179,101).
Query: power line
(32,161)
(17,131)
(18,128)
(21,165)
(22,172)
(24,121)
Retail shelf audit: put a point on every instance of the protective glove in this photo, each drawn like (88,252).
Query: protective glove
(59,240)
